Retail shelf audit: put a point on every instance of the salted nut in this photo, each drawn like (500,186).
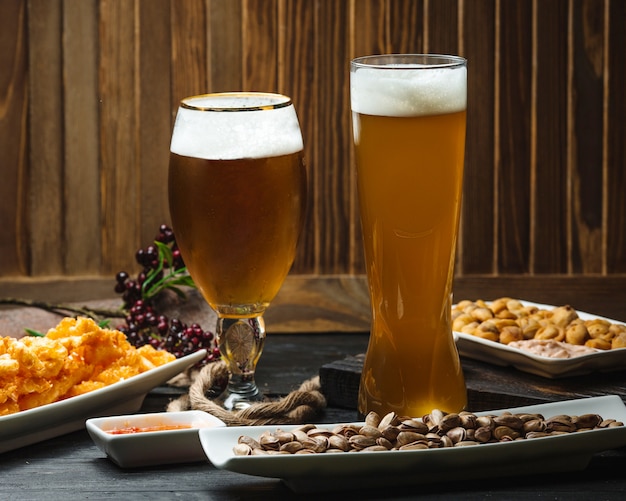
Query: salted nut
(435,430)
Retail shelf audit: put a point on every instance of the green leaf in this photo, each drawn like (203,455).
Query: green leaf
(32,332)
(171,277)
(165,253)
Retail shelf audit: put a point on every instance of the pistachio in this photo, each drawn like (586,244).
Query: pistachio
(291,447)
(413,446)
(387,444)
(468,420)
(269,441)
(315,444)
(372,419)
(388,420)
(300,435)
(509,420)
(457,434)
(446,441)
(339,442)
(370,431)
(482,434)
(284,437)
(485,422)
(242,450)
(391,433)
(433,420)
(529,417)
(407,437)
(587,421)
(361,441)
(449,421)
(347,430)
(560,423)
(505,431)
(413,425)
(375,448)
(306,427)
(534,425)
(610,423)
(537,434)
(319,432)
(249,441)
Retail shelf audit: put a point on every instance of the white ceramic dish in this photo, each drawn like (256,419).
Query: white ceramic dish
(503,355)
(319,472)
(148,448)
(125,397)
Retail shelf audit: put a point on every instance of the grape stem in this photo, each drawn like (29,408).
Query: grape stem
(64,309)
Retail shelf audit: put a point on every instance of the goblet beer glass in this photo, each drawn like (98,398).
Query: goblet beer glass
(408,117)
(237,195)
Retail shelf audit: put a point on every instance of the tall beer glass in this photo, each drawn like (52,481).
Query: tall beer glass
(237,194)
(408,116)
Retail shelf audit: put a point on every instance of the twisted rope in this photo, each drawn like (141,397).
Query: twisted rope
(297,407)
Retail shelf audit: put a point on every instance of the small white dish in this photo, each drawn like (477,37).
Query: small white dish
(146,447)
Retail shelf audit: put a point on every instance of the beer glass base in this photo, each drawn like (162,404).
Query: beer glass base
(240,395)
(241,342)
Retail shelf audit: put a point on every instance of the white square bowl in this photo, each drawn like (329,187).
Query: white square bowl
(149,448)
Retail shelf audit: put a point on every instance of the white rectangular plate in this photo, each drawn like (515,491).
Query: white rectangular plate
(51,420)
(503,355)
(318,472)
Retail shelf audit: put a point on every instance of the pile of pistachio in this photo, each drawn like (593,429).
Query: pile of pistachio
(434,430)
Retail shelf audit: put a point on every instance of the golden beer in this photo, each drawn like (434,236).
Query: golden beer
(409,161)
(237,224)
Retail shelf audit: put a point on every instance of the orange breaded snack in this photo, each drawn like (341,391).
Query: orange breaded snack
(75,357)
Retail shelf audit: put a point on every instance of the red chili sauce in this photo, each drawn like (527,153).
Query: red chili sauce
(142,429)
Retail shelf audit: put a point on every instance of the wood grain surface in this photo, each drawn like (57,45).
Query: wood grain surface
(89,91)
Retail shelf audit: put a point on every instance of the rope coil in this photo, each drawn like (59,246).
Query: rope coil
(298,407)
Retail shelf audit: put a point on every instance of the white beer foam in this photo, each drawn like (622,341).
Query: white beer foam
(229,135)
(405,93)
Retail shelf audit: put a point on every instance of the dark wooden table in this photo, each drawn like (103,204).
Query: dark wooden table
(71,467)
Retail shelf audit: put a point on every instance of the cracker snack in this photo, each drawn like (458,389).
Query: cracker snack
(73,358)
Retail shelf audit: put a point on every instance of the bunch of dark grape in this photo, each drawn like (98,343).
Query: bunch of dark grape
(143,324)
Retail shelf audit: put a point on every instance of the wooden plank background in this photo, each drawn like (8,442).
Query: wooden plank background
(89,90)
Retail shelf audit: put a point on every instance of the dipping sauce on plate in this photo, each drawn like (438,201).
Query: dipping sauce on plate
(142,429)
(552,349)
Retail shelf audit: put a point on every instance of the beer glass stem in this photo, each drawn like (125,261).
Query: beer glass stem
(241,341)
